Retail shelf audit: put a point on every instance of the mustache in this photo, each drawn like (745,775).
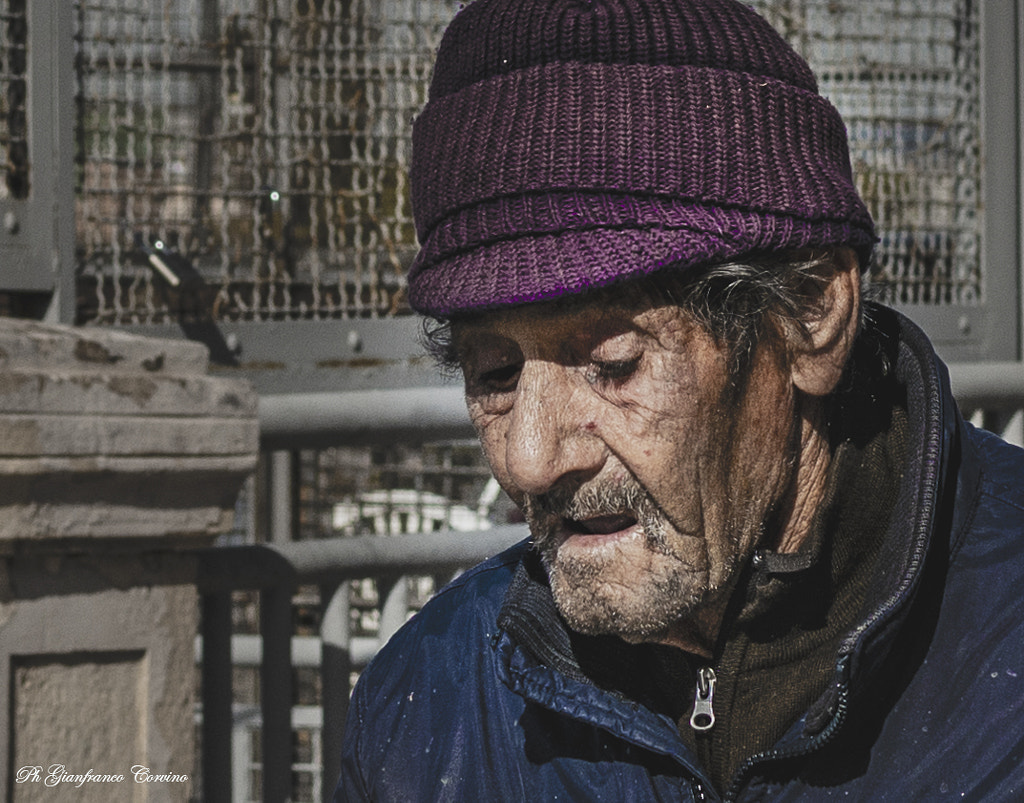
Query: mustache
(603,498)
(546,513)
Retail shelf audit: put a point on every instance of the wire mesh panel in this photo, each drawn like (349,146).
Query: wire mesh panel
(14,156)
(247,159)
(905,76)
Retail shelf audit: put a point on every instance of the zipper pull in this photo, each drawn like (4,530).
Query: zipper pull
(703,717)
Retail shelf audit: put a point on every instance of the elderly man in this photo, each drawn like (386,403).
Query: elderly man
(769,560)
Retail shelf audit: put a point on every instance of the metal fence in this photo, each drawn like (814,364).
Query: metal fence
(248,159)
(345,500)
(905,74)
(277,571)
(14,179)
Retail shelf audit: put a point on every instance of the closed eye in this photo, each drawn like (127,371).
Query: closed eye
(502,378)
(615,370)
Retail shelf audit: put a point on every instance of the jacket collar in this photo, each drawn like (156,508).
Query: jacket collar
(916,546)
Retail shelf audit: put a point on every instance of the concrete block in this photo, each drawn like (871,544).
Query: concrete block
(51,392)
(118,457)
(33,345)
(95,659)
(109,435)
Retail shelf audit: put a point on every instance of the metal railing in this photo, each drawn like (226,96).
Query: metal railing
(276,571)
(435,413)
(990,393)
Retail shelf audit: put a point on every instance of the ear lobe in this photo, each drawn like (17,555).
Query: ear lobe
(818,354)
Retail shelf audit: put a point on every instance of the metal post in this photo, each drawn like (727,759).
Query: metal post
(63,100)
(207,90)
(276,693)
(216,679)
(394,606)
(1013,428)
(281,497)
(335,669)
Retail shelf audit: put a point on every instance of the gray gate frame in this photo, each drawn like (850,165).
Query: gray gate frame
(37,233)
(993,330)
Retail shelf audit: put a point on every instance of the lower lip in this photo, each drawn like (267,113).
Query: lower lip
(594,540)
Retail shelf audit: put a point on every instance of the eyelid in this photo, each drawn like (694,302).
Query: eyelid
(500,374)
(498,379)
(613,370)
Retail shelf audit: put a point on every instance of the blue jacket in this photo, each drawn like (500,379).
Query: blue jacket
(927,701)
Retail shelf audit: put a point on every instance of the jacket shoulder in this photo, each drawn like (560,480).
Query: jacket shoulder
(460,613)
(1002,476)
(435,675)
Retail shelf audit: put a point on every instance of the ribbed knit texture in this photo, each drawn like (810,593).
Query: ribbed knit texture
(569,144)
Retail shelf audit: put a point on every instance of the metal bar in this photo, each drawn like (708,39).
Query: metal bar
(335,669)
(421,414)
(247,650)
(216,679)
(995,384)
(1001,201)
(364,416)
(207,85)
(1020,174)
(276,693)
(63,99)
(281,497)
(330,560)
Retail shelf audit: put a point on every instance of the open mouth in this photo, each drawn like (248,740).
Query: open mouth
(601,525)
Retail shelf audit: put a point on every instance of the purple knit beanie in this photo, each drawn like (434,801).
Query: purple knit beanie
(569,144)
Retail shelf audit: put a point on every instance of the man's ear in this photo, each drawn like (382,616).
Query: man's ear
(818,353)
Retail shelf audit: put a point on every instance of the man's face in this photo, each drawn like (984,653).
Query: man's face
(645,470)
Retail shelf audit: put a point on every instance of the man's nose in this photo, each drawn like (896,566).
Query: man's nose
(551,433)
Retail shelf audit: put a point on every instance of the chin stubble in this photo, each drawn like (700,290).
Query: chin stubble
(671,587)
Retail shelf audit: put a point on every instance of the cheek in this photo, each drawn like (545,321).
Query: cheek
(669,443)
(492,432)
(763,454)
(659,409)
(711,461)
(765,430)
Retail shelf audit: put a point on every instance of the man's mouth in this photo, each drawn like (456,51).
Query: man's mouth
(601,525)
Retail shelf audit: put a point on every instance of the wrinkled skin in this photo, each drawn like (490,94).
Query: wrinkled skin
(584,412)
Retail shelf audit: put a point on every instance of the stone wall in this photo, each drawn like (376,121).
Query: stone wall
(119,457)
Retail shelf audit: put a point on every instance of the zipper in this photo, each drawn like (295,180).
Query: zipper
(823,738)
(703,717)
